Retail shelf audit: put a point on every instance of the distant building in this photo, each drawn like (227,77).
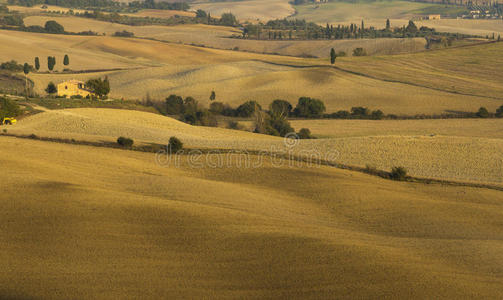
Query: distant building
(434,17)
(73,88)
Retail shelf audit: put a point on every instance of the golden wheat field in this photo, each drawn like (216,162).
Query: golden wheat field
(248,10)
(102,223)
(218,37)
(446,155)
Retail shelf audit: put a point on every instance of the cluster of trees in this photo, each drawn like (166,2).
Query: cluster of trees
(301,30)
(151,4)
(124,33)
(484,113)
(66,3)
(51,62)
(100,87)
(13,66)
(357,113)
(8,108)
(189,110)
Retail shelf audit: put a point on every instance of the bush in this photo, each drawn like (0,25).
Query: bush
(234,125)
(483,113)
(174,145)
(125,142)
(499,112)
(359,52)
(51,88)
(124,33)
(174,105)
(54,27)
(305,133)
(399,173)
(377,115)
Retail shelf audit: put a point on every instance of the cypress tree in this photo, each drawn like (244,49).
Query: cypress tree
(66,60)
(37,63)
(333,56)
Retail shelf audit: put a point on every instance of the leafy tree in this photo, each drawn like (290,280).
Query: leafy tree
(174,105)
(280,108)
(228,19)
(411,27)
(377,115)
(304,133)
(201,14)
(217,107)
(174,145)
(37,63)
(213,96)
(333,56)
(98,86)
(483,113)
(66,60)
(8,108)
(54,27)
(190,105)
(499,112)
(26,68)
(388,25)
(246,109)
(51,88)
(309,108)
(125,142)
(51,62)
(359,112)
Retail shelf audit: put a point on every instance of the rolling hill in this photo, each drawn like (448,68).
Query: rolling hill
(102,223)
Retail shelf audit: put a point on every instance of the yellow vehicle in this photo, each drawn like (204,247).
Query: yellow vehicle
(8,121)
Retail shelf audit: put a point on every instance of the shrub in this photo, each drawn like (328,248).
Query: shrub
(499,112)
(304,133)
(125,142)
(51,88)
(8,108)
(124,33)
(234,125)
(359,52)
(399,173)
(174,145)
(483,113)
(174,105)
(54,27)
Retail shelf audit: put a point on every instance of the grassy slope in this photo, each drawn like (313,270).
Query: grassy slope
(113,224)
(456,153)
(399,12)
(469,70)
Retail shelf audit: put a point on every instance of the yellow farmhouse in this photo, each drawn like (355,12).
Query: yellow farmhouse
(73,88)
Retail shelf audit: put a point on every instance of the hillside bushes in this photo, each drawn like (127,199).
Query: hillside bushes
(125,142)
(8,108)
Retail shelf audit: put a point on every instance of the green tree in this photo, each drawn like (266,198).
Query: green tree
(201,14)
(213,96)
(359,52)
(66,60)
(26,68)
(51,62)
(483,113)
(304,133)
(247,109)
(499,112)
(174,105)
(228,19)
(54,27)
(37,63)
(411,27)
(98,86)
(333,56)
(388,25)
(280,108)
(51,88)
(174,145)
(8,108)
(309,108)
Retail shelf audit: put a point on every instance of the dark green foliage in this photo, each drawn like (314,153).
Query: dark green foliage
(51,62)
(483,113)
(333,56)
(12,66)
(26,68)
(278,126)
(201,14)
(8,108)
(213,96)
(124,33)
(499,112)
(398,173)
(37,63)
(217,107)
(51,88)
(411,27)
(359,52)
(304,133)
(174,105)
(174,145)
(309,108)
(247,109)
(66,60)
(359,112)
(98,86)
(125,142)
(228,19)
(12,20)
(280,108)
(54,27)
(377,115)
(151,4)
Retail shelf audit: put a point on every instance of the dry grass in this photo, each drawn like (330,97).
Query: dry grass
(103,223)
(218,37)
(249,10)
(464,158)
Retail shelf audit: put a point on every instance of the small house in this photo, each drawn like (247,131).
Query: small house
(74,88)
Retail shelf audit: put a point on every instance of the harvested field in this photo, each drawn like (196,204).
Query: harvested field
(218,37)
(442,157)
(248,10)
(113,224)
